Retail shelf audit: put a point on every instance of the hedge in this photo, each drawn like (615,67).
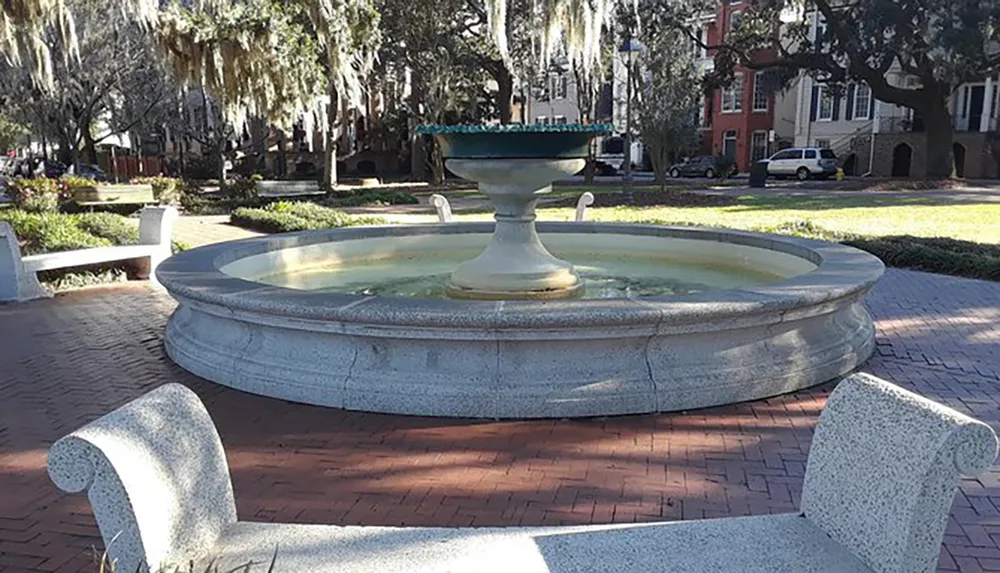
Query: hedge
(285,217)
(372,198)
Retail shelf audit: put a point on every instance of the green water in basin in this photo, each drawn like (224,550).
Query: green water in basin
(604,275)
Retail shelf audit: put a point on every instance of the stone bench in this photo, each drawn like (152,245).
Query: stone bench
(18,279)
(283,188)
(114,194)
(881,476)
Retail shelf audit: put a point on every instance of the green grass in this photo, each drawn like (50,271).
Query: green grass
(859,215)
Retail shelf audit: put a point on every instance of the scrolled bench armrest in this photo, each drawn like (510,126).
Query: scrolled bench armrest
(156,477)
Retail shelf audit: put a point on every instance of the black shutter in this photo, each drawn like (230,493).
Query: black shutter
(836,107)
(849,112)
(814,105)
(871,107)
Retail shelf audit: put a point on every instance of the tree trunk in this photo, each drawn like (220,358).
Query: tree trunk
(505,93)
(436,161)
(65,153)
(658,157)
(281,169)
(591,166)
(940,137)
(89,147)
(418,159)
(330,143)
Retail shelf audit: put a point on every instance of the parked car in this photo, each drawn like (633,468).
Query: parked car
(90,171)
(698,166)
(55,169)
(803,163)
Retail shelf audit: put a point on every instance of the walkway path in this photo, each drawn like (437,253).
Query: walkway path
(66,361)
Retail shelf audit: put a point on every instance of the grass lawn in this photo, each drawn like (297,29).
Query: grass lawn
(863,215)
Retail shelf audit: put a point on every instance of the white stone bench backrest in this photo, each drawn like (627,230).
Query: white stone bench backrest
(288,186)
(883,470)
(156,476)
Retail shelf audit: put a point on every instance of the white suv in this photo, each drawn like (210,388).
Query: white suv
(803,163)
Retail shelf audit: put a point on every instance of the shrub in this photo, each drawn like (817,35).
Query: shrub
(285,216)
(725,166)
(70,182)
(242,188)
(936,255)
(166,190)
(383,197)
(35,195)
(108,226)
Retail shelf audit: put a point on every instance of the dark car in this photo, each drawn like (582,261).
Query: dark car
(91,171)
(698,166)
(55,169)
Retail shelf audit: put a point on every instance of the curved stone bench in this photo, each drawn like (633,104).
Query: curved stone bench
(18,281)
(880,480)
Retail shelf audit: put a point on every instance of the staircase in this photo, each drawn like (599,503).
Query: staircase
(848,144)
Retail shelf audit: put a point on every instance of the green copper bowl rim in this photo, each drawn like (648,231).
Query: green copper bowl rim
(591,128)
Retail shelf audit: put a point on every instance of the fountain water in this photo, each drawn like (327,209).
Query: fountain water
(616,319)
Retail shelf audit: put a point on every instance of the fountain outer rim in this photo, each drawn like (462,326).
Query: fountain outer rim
(193,277)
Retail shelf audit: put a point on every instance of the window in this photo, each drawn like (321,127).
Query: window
(827,154)
(732,96)
(559,86)
(759,95)
(788,154)
(862,101)
(559,119)
(758,146)
(823,143)
(825,105)
(541,120)
(734,21)
(810,154)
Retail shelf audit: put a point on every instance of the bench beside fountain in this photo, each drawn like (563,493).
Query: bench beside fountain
(18,274)
(881,476)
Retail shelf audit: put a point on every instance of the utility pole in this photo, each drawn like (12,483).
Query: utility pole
(628,114)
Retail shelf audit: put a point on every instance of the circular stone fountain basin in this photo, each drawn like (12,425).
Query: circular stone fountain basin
(698,317)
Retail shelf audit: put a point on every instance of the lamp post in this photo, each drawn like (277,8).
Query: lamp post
(628,49)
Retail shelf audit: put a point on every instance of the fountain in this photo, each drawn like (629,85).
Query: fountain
(520,319)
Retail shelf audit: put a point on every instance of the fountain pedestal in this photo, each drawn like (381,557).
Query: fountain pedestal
(515,264)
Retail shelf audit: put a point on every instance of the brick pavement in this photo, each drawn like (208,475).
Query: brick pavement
(66,361)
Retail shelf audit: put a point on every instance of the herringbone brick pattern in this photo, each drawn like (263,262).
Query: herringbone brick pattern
(66,361)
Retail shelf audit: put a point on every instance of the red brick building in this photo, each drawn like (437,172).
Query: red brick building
(739,118)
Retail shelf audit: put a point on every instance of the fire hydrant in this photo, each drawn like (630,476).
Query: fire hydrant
(840,174)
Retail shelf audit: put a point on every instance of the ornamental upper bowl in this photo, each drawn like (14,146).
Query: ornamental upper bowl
(514,141)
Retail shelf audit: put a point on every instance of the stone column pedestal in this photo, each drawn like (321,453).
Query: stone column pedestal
(515,264)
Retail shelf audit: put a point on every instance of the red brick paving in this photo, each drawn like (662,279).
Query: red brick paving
(67,361)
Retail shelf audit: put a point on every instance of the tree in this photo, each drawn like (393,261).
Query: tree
(430,46)
(108,89)
(941,43)
(669,91)
(11,133)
